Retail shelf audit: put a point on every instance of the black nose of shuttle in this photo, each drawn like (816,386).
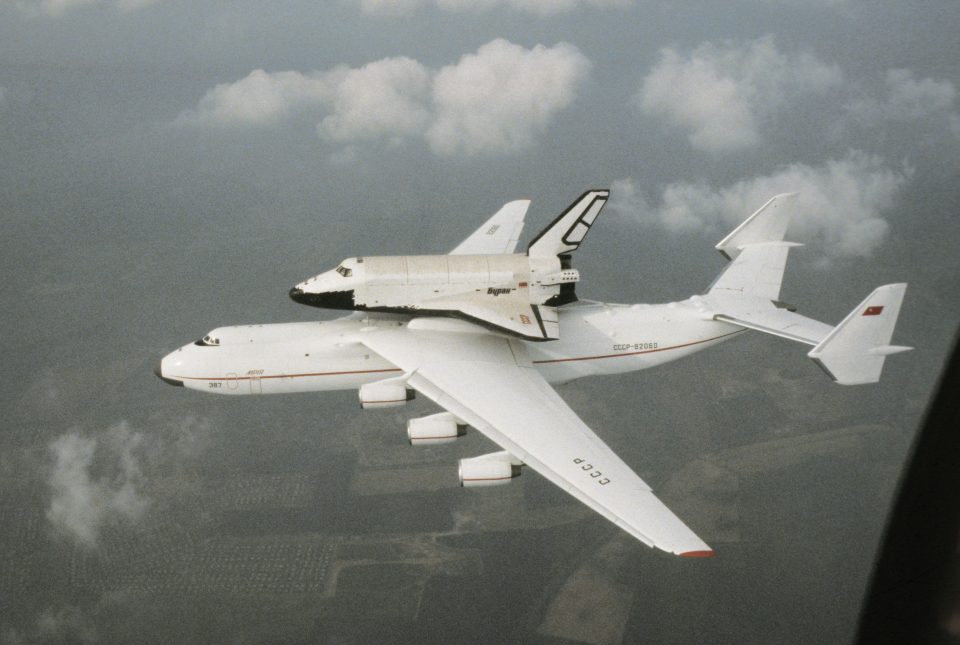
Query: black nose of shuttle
(326,300)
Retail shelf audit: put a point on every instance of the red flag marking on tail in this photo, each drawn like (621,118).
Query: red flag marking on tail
(873,311)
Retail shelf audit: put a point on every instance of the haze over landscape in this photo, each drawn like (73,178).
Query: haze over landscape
(168,167)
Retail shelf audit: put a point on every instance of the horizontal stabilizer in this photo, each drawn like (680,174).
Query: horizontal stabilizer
(766,316)
(567,231)
(853,353)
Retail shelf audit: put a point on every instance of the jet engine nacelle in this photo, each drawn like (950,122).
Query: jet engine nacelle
(435,429)
(489,470)
(385,394)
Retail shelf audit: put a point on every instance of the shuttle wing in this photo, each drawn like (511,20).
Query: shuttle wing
(490,383)
(499,234)
(509,313)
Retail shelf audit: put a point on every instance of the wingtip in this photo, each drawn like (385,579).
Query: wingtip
(708,553)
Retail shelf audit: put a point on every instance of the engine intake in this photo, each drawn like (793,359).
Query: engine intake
(435,429)
(488,470)
(385,394)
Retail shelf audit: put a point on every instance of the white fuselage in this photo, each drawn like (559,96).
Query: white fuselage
(597,338)
(416,281)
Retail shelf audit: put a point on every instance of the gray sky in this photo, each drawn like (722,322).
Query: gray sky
(167,167)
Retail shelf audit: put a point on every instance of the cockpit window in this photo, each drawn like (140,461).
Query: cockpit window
(208,341)
(344,271)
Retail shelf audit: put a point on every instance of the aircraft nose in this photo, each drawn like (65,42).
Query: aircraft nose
(158,370)
(296,294)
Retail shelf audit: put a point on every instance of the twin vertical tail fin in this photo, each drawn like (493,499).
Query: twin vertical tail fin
(747,293)
(854,351)
(757,251)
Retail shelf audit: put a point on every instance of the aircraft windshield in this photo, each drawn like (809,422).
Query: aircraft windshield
(344,271)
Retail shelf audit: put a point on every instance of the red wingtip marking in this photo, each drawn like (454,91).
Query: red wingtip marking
(873,311)
(697,554)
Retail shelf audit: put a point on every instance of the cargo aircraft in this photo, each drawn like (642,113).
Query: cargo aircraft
(484,331)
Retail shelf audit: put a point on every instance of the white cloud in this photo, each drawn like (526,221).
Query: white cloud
(182,441)
(82,503)
(724,95)
(496,100)
(384,98)
(839,210)
(536,7)
(908,99)
(261,98)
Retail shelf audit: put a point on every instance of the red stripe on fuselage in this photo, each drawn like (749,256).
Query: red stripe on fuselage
(247,378)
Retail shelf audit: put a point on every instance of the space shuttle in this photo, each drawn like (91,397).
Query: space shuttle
(482,281)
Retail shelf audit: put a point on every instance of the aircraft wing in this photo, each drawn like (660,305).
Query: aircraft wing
(499,234)
(489,382)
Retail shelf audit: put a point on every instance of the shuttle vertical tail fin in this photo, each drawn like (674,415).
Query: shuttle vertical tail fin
(567,231)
